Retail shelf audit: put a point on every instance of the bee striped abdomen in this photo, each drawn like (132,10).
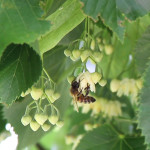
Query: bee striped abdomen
(85,99)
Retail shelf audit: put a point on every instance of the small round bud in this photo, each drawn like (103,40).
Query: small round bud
(70,79)
(92,45)
(139,83)
(101,47)
(102,82)
(108,49)
(23,94)
(53,119)
(46,127)
(96,77)
(69,139)
(34,125)
(67,52)
(40,118)
(26,119)
(73,58)
(85,54)
(59,124)
(114,85)
(52,99)
(88,127)
(76,54)
(56,96)
(36,93)
(49,92)
(97,56)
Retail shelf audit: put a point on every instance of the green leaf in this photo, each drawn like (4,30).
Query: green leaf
(25,134)
(107,138)
(144,109)
(110,63)
(108,12)
(142,51)
(58,65)
(2,120)
(133,9)
(20,67)
(20,22)
(63,21)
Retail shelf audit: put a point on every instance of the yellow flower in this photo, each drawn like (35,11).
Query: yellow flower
(85,79)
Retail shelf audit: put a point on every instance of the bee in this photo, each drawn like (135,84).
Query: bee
(78,95)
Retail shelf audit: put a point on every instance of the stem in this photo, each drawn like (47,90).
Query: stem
(49,78)
(56,110)
(88,22)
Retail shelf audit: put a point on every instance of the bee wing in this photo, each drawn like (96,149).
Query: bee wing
(75,103)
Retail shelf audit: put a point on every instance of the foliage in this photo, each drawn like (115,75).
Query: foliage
(47,44)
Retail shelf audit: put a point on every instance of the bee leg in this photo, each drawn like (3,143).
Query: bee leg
(87,89)
(79,93)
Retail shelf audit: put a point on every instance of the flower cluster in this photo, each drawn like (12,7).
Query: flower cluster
(105,46)
(127,87)
(84,55)
(41,116)
(109,108)
(87,78)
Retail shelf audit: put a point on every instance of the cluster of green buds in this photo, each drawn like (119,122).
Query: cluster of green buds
(105,46)
(84,54)
(45,113)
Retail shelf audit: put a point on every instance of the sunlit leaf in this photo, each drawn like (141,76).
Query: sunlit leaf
(108,12)
(20,67)
(65,19)
(20,21)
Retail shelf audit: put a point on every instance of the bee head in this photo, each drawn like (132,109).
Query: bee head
(75,84)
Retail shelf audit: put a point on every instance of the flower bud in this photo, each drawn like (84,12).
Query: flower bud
(36,93)
(73,58)
(102,82)
(40,118)
(76,54)
(108,49)
(69,139)
(139,83)
(67,52)
(46,127)
(23,94)
(85,54)
(26,119)
(34,125)
(114,85)
(56,96)
(101,47)
(49,92)
(59,124)
(96,77)
(53,119)
(97,56)
(70,79)
(88,127)
(92,45)
(52,99)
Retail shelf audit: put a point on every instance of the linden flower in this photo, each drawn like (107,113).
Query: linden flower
(129,87)
(85,79)
(111,108)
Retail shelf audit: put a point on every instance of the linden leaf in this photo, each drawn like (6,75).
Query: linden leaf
(20,21)
(20,67)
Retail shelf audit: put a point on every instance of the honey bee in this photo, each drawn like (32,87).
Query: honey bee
(78,95)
